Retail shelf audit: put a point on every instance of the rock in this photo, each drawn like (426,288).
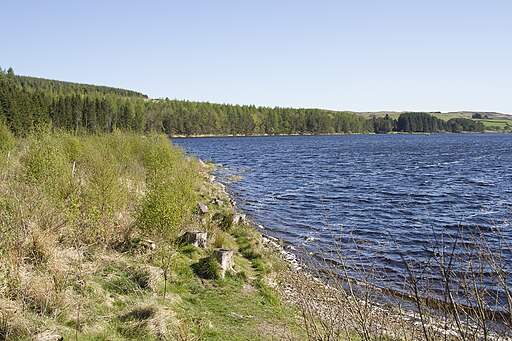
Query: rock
(148,244)
(238,218)
(203,208)
(218,202)
(225,259)
(48,335)
(196,238)
(273,239)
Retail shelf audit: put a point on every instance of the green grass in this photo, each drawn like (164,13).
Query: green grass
(247,245)
(225,310)
(501,124)
(448,116)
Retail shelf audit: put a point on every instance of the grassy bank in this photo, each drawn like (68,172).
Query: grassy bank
(90,246)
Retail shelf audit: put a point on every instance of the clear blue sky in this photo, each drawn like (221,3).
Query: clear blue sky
(359,55)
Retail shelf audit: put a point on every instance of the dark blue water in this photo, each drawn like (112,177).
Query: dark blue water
(377,200)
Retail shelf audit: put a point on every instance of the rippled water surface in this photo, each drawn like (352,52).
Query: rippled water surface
(379,199)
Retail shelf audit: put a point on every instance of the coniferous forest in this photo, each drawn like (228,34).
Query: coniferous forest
(28,102)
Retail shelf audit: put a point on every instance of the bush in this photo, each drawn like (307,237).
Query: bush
(171,194)
(102,189)
(47,165)
(207,268)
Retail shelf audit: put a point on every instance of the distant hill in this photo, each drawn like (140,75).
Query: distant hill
(442,115)
(493,121)
(62,87)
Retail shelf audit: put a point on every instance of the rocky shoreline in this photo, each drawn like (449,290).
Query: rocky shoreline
(337,311)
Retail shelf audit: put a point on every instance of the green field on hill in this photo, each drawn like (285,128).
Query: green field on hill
(502,124)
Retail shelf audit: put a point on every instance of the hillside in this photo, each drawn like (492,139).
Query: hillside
(493,121)
(62,87)
(441,115)
(27,103)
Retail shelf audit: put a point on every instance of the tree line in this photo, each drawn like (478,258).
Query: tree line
(419,122)
(28,102)
(202,118)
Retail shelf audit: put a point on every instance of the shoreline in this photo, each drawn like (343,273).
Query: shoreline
(180,136)
(301,287)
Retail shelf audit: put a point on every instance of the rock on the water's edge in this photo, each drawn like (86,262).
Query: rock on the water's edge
(289,257)
(239,218)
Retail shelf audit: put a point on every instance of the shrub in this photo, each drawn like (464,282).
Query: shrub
(165,208)
(159,156)
(102,189)
(207,268)
(171,194)
(47,165)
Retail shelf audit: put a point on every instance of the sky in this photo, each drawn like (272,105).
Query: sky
(360,55)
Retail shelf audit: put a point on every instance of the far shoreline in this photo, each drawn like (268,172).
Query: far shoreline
(180,136)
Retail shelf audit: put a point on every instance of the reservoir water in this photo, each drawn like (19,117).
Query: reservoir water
(378,201)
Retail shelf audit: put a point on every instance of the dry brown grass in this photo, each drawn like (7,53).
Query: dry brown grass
(14,324)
